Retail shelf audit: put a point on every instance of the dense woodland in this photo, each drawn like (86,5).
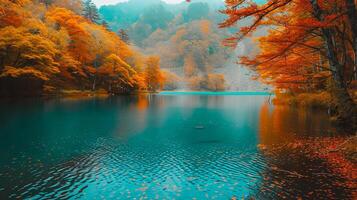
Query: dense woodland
(47,46)
(311,47)
(186,36)
(308,49)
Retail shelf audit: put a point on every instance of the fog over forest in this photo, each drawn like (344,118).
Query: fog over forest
(187,39)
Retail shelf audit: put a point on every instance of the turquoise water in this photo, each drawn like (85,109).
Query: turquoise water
(208,93)
(165,146)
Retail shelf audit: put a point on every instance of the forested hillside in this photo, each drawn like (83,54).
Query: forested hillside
(185,36)
(50,46)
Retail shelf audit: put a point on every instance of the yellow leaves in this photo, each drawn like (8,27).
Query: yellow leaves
(105,42)
(171,80)
(140,81)
(81,39)
(22,48)
(116,69)
(205,26)
(91,70)
(216,82)
(61,15)
(194,83)
(54,43)
(11,14)
(154,77)
(27,72)
(88,39)
(70,68)
(178,36)
(73,5)
(190,67)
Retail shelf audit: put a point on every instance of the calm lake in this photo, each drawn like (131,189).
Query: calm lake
(164,146)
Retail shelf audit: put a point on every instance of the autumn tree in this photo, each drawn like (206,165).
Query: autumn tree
(117,75)
(26,61)
(216,82)
(306,39)
(81,39)
(171,80)
(75,6)
(46,47)
(153,76)
(12,13)
(351,11)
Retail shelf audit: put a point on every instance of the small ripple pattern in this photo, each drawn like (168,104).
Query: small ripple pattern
(178,147)
(113,170)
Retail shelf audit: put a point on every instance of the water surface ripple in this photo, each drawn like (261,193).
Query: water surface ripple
(161,147)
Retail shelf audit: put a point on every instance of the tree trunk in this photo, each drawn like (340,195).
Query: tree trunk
(352,18)
(94,84)
(345,106)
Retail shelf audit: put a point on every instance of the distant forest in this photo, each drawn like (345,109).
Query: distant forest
(185,36)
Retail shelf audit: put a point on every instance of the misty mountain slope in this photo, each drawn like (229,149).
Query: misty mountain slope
(238,77)
(187,39)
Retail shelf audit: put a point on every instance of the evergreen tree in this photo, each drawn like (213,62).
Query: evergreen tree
(124,36)
(106,25)
(91,11)
(46,2)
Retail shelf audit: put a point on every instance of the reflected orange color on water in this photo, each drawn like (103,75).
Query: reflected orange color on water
(272,128)
(303,136)
(279,124)
(142,103)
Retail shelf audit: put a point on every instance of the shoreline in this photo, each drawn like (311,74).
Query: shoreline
(104,93)
(77,94)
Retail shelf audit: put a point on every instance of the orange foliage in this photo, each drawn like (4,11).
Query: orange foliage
(296,54)
(153,75)
(29,72)
(216,82)
(80,45)
(53,43)
(11,14)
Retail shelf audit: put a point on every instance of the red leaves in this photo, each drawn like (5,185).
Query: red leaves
(292,54)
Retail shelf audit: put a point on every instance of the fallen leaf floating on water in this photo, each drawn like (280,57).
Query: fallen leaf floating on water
(199,127)
(261,146)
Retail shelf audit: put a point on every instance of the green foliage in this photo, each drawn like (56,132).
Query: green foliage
(124,36)
(90,11)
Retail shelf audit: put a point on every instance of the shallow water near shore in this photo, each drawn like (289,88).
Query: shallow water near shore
(164,146)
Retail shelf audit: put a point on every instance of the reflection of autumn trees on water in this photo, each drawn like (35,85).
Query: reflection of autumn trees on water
(280,123)
(292,140)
